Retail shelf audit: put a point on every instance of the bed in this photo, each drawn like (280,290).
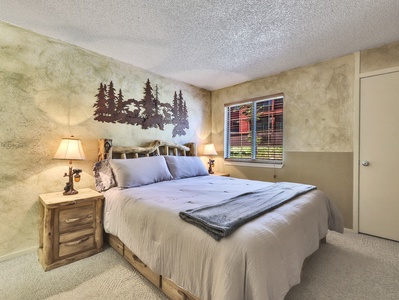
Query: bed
(262,259)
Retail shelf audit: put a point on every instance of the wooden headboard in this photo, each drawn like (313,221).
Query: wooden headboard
(157,147)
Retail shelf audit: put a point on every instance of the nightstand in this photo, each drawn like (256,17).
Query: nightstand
(70,227)
(220,174)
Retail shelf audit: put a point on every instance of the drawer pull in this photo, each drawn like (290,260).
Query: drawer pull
(138,261)
(77,242)
(73,220)
(69,203)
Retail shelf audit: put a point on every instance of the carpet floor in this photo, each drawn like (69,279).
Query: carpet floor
(350,266)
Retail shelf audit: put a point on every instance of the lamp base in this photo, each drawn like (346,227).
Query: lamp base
(70,192)
(68,189)
(211,163)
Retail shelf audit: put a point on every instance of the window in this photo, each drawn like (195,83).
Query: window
(254,130)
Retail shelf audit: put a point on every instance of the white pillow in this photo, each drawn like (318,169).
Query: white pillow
(139,171)
(185,166)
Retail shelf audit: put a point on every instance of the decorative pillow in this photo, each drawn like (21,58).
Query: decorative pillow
(185,166)
(104,179)
(139,171)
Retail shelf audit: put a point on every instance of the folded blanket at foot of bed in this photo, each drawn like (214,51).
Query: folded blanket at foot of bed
(221,219)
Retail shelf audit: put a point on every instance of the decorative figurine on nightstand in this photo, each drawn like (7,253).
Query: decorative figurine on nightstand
(68,189)
(209,150)
(71,149)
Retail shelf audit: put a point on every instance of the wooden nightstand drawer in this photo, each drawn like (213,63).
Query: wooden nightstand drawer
(175,292)
(75,235)
(77,246)
(70,219)
(142,268)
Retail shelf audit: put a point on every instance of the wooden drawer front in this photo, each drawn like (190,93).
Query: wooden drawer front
(81,244)
(75,235)
(175,292)
(71,218)
(153,277)
(115,243)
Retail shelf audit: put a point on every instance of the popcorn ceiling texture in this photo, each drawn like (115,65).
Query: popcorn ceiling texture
(213,43)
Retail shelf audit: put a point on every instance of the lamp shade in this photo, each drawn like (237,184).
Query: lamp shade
(71,149)
(209,150)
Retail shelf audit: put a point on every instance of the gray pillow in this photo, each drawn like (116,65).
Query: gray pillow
(104,179)
(185,166)
(139,171)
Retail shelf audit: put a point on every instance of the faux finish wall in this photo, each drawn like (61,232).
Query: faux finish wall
(47,91)
(379,58)
(318,124)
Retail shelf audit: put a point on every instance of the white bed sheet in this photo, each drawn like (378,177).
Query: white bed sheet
(260,260)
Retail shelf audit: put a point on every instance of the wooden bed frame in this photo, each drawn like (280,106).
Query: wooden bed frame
(157,147)
(166,285)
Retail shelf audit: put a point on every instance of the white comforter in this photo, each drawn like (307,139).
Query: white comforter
(260,260)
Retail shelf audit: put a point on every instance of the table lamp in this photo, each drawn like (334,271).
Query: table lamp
(70,149)
(209,150)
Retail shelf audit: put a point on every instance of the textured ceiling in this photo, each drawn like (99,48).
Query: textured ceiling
(208,43)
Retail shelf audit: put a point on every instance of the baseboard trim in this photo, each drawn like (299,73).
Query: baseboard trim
(17,254)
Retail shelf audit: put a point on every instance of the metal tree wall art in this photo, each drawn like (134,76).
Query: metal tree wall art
(149,112)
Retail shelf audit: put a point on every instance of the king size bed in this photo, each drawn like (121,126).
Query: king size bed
(146,198)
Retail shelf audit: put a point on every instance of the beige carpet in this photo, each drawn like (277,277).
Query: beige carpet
(349,266)
(103,276)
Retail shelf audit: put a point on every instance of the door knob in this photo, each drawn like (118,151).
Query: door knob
(365,163)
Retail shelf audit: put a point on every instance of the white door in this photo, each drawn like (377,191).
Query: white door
(379,156)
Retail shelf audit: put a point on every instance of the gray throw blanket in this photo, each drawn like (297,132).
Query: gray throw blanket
(221,219)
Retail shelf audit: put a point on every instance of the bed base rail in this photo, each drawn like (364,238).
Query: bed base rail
(166,285)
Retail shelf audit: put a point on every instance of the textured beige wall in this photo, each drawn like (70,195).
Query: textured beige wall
(47,91)
(379,58)
(318,105)
(318,127)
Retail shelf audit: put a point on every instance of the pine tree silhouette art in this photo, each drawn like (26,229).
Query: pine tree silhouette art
(149,112)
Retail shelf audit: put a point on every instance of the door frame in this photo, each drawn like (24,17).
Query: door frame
(356,133)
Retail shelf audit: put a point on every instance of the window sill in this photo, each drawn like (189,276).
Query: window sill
(253,164)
